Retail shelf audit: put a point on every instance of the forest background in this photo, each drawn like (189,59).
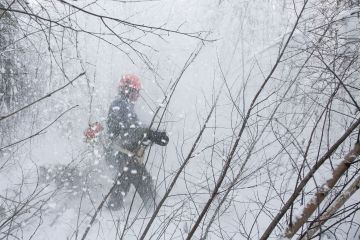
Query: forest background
(259,98)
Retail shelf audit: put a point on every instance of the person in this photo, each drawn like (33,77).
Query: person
(128,139)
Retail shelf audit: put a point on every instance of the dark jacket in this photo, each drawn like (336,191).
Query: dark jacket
(123,125)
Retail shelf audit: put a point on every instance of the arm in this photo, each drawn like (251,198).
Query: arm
(124,127)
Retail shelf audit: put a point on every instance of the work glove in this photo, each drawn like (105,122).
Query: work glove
(159,138)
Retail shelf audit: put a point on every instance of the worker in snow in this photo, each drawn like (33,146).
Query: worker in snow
(128,139)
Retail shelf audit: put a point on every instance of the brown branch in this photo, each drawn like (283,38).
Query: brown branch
(36,16)
(310,174)
(333,208)
(99,208)
(41,131)
(3,11)
(166,100)
(183,165)
(134,25)
(245,121)
(324,191)
(341,82)
(42,98)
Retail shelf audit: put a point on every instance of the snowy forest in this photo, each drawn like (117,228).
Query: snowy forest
(258,102)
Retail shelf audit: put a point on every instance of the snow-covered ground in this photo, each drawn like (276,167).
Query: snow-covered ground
(237,43)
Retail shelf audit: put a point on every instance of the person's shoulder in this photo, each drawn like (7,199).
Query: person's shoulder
(118,101)
(118,104)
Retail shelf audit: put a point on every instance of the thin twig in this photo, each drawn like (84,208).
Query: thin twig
(41,131)
(42,98)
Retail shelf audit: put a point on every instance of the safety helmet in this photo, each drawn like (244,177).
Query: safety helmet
(130,81)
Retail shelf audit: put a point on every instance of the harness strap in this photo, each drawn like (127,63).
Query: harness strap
(138,155)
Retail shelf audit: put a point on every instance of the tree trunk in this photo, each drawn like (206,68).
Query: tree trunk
(324,190)
(333,208)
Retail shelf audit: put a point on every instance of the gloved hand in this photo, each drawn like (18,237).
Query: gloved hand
(159,138)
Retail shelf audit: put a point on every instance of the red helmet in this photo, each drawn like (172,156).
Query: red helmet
(131,81)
